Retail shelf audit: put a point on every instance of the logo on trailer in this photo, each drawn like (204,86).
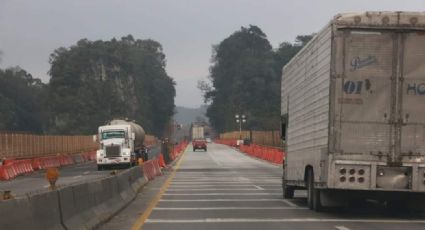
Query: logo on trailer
(358,63)
(415,89)
(356,87)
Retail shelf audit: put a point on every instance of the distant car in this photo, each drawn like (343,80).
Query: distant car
(199,144)
(208,140)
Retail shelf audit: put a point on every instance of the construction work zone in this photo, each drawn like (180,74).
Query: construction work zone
(12,168)
(268,153)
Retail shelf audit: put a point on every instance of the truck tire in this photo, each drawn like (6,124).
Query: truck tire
(313,194)
(99,167)
(194,149)
(317,203)
(310,188)
(205,149)
(288,191)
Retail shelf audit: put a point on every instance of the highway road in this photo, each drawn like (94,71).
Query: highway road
(225,189)
(72,174)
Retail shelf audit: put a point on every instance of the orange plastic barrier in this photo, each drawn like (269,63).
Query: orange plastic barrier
(12,168)
(271,154)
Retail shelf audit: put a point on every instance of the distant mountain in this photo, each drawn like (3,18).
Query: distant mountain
(186,116)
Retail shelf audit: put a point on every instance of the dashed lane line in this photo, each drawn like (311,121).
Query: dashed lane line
(289,203)
(341,228)
(260,188)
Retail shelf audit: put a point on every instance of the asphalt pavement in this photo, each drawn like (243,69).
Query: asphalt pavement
(225,189)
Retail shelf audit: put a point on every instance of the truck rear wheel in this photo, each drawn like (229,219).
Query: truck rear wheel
(313,194)
(288,191)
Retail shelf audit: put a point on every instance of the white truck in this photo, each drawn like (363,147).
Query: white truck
(353,105)
(121,143)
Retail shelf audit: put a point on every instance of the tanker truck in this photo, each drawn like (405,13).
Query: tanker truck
(120,144)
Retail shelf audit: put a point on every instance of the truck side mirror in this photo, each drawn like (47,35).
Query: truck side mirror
(283,127)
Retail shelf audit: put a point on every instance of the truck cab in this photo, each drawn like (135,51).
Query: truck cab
(116,146)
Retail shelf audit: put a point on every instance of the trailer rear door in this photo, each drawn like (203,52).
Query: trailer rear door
(413,94)
(364,92)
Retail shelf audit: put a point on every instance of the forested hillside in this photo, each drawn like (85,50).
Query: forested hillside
(91,82)
(245,79)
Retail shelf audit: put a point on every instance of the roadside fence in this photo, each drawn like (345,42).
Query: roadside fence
(267,138)
(16,145)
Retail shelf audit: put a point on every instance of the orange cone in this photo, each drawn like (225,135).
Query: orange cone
(161,161)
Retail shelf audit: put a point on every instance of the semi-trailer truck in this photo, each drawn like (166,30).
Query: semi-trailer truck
(121,144)
(352,111)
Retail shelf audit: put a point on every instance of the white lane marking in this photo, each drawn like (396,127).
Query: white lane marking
(341,228)
(289,203)
(219,194)
(218,200)
(86,172)
(228,208)
(211,186)
(214,159)
(258,187)
(223,182)
(46,186)
(241,220)
(220,189)
(75,177)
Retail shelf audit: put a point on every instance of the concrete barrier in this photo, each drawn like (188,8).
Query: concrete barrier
(81,206)
(40,211)
(86,206)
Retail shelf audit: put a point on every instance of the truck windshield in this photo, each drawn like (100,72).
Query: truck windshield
(113,134)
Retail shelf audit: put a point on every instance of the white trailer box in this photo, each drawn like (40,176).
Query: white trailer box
(197,132)
(353,105)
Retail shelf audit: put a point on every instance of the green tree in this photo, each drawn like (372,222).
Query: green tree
(96,81)
(245,78)
(22,98)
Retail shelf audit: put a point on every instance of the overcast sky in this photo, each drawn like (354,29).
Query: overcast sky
(31,29)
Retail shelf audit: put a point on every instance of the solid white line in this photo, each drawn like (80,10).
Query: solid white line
(75,177)
(289,203)
(220,189)
(218,200)
(231,220)
(211,186)
(222,182)
(341,228)
(218,194)
(228,208)
(86,172)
